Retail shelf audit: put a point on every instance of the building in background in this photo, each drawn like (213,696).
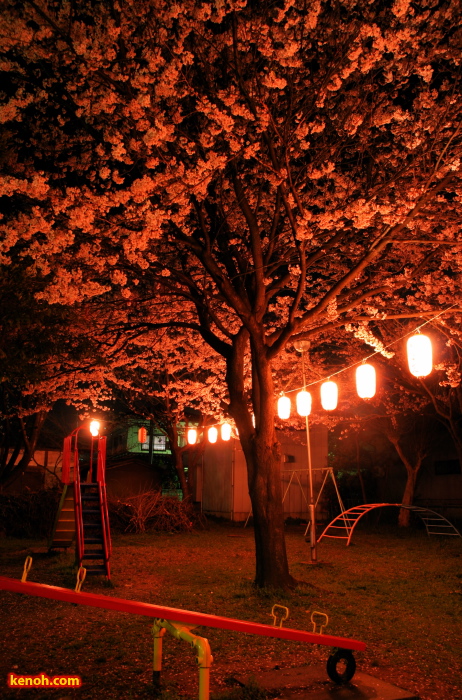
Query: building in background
(221,481)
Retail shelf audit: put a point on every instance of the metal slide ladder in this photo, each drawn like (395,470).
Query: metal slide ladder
(83,516)
(343,525)
(63,535)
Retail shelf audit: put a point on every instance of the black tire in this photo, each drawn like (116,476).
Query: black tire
(348,660)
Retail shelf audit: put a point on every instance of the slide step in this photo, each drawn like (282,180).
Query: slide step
(95,569)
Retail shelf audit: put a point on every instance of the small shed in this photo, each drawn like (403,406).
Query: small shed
(221,481)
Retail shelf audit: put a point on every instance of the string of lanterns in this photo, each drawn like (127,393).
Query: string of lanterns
(420,362)
(212,434)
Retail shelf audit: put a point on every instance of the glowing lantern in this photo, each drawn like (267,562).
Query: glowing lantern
(329,396)
(225,431)
(419,355)
(212,434)
(192,436)
(253,419)
(142,435)
(365,381)
(94,428)
(303,403)
(284,407)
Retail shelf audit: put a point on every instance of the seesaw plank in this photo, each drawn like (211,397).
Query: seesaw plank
(188,617)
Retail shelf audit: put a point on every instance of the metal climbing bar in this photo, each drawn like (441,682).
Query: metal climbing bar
(435,524)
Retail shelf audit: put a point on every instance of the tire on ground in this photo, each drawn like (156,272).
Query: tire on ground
(346,658)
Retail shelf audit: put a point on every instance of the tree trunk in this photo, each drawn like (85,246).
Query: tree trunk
(181,474)
(404,517)
(177,453)
(261,451)
(412,471)
(358,469)
(12,470)
(265,489)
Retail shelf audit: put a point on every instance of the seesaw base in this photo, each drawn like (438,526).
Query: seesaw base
(309,683)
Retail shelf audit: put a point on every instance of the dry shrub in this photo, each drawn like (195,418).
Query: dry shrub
(150,511)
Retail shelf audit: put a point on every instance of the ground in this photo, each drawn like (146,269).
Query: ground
(398,591)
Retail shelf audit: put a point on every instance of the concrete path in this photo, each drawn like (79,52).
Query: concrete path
(312,683)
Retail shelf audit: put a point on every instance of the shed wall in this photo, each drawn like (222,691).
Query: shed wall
(225,491)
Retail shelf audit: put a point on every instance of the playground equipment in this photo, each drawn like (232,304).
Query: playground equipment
(83,514)
(341,664)
(343,525)
(294,478)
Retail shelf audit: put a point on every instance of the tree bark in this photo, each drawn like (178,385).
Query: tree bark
(261,451)
(12,470)
(404,517)
(412,471)
(265,489)
(177,453)
(358,469)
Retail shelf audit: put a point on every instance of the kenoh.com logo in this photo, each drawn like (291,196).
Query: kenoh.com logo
(41,680)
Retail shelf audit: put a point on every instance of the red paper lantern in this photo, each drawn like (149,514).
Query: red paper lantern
(420,355)
(329,396)
(365,381)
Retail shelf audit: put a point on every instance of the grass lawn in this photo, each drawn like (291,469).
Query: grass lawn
(399,592)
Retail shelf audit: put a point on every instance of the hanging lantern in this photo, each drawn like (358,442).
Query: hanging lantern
(225,431)
(365,381)
(284,407)
(192,436)
(212,434)
(303,403)
(329,395)
(419,355)
(253,419)
(94,428)
(142,435)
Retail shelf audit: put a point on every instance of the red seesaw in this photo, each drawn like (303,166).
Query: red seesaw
(185,620)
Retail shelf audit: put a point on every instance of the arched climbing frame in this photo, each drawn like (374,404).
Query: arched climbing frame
(343,525)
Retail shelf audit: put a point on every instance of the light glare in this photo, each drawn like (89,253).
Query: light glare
(94,428)
(329,396)
(419,355)
(284,407)
(303,403)
(365,381)
(192,436)
(225,431)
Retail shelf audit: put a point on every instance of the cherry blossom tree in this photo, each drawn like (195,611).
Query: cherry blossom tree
(166,378)
(259,172)
(405,409)
(47,353)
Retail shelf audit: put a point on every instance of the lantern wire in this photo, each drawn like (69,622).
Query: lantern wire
(368,357)
(344,369)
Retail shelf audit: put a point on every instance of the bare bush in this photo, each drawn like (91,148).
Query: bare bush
(150,511)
